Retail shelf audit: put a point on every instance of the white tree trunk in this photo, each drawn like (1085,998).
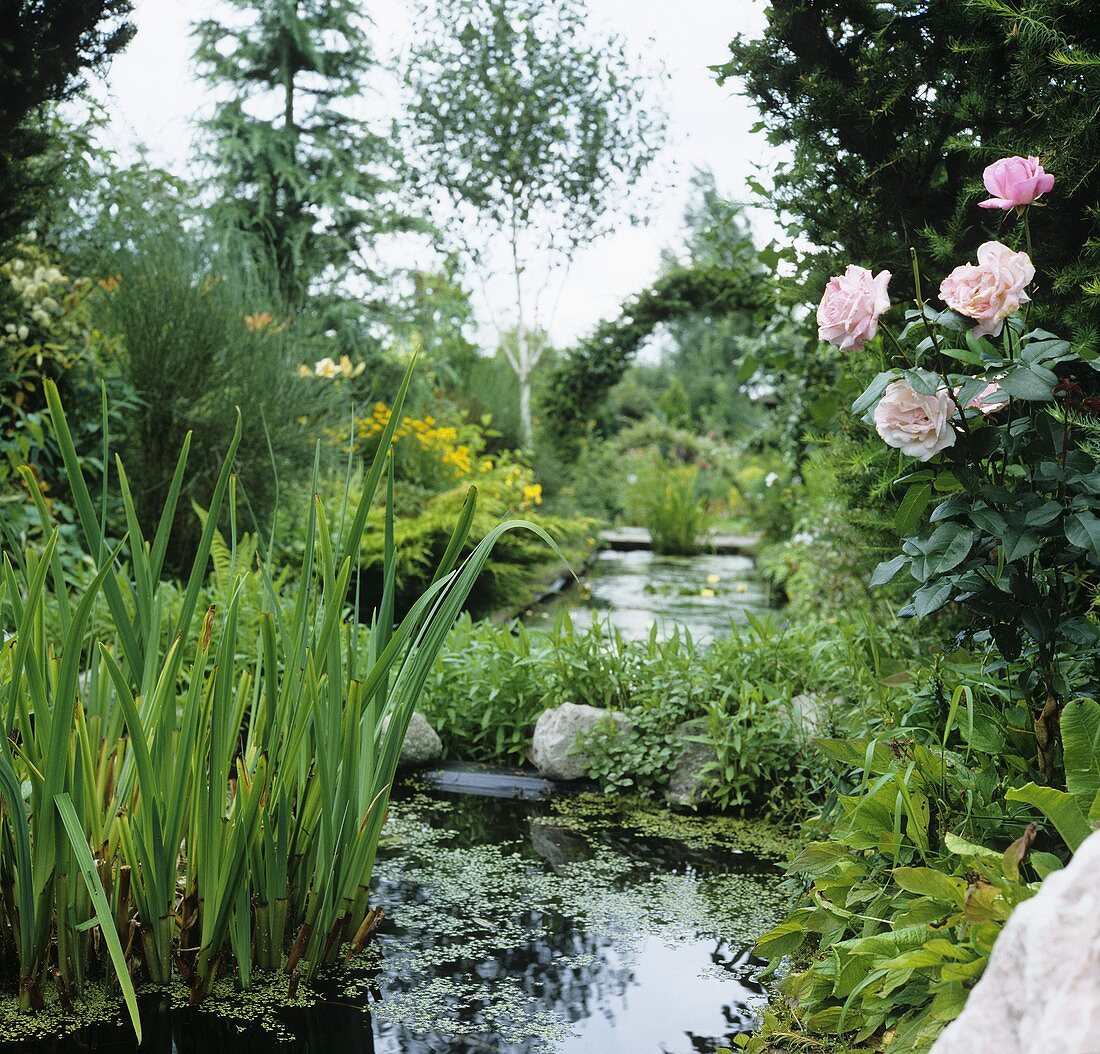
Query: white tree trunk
(525,408)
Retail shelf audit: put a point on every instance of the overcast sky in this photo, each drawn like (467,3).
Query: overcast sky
(154,97)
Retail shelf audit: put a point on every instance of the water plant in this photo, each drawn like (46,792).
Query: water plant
(667,501)
(190,793)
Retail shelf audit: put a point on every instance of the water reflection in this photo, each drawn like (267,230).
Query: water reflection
(512,931)
(636,590)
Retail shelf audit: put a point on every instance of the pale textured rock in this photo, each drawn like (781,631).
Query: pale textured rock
(812,712)
(1041,991)
(685,780)
(422,745)
(555,751)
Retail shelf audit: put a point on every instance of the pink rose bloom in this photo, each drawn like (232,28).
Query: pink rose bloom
(1014,182)
(849,311)
(990,290)
(916,424)
(989,400)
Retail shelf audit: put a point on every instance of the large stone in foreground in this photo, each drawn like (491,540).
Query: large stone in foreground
(1041,991)
(555,750)
(422,744)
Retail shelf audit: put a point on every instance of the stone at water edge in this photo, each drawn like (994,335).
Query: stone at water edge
(811,713)
(684,778)
(422,744)
(554,748)
(1040,993)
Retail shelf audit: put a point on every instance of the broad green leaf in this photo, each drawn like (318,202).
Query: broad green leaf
(1060,808)
(1080,725)
(1083,530)
(911,510)
(928,882)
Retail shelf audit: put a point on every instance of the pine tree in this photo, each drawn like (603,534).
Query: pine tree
(894,108)
(311,184)
(43,51)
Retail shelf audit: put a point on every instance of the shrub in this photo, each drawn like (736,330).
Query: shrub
(665,499)
(203,337)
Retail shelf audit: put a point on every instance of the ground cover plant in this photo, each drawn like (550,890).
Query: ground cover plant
(208,792)
(491,683)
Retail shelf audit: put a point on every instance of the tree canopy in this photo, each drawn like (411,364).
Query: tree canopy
(295,170)
(533,131)
(43,50)
(894,109)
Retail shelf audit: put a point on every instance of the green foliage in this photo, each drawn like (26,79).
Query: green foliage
(201,339)
(48,334)
(918,871)
(45,49)
(212,814)
(484,699)
(309,186)
(893,110)
(666,500)
(581,381)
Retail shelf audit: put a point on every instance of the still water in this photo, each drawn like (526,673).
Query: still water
(516,927)
(638,589)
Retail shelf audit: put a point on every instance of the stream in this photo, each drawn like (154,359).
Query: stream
(578,924)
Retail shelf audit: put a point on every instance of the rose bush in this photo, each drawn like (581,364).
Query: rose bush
(1007,519)
(990,290)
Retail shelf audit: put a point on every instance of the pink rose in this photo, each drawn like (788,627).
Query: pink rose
(1014,182)
(989,400)
(991,290)
(918,425)
(849,311)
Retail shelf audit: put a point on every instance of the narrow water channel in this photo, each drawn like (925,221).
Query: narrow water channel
(634,590)
(560,927)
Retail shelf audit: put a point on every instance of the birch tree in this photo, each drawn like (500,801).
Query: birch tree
(531,130)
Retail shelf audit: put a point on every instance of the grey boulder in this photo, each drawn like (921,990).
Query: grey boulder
(685,777)
(555,748)
(422,744)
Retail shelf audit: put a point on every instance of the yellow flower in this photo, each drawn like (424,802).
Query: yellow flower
(532,493)
(259,320)
(304,371)
(707,593)
(326,368)
(714,579)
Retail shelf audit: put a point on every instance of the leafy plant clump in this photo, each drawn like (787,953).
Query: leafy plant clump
(208,790)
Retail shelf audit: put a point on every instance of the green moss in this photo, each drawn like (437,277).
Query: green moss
(588,812)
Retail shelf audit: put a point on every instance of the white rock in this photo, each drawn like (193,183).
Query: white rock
(1040,993)
(422,745)
(554,748)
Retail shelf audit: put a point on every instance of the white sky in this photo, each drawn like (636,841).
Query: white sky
(154,97)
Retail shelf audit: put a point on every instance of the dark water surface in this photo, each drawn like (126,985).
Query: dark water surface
(513,927)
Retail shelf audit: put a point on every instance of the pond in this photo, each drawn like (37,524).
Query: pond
(637,589)
(572,925)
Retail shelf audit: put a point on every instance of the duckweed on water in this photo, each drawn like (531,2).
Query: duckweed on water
(96,1005)
(480,906)
(518,939)
(591,812)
